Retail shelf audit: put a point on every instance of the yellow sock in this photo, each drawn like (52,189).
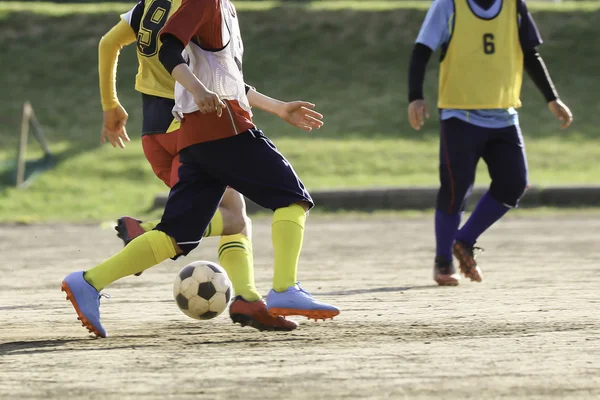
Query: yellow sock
(215,228)
(235,256)
(287,233)
(141,253)
(149,225)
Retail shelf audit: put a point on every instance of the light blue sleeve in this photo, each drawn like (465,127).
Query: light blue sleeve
(437,26)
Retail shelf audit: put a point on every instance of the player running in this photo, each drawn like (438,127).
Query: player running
(140,25)
(218,145)
(485,45)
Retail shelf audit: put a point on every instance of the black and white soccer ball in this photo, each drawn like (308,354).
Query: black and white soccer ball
(202,290)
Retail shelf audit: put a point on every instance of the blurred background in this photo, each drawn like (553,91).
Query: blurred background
(348,57)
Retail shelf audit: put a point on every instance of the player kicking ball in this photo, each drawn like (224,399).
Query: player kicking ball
(485,45)
(218,145)
(160,134)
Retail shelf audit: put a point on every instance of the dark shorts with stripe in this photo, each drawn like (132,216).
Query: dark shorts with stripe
(157,116)
(249,163)
(462,145)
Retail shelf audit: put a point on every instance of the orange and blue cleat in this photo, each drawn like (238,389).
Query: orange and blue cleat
(296,301)
(255,314)
(86,302)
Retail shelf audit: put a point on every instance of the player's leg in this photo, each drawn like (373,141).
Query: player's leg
(161,152)
(235,255)
(256,169)
(160,135)
(159,157)
(191,204)
(507,165)
(235,246)
(159,148)
(460,145)
(160,160)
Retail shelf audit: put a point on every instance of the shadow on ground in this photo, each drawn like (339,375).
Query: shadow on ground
(375,290)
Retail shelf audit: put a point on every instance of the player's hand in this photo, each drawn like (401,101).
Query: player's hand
(562,112)
(113,127)
(209,102)
(301,115)
(417,112)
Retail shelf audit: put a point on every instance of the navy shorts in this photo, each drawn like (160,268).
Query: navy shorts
(157,115)
(249,163)
(462,145)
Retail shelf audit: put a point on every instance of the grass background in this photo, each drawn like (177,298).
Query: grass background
(348,57)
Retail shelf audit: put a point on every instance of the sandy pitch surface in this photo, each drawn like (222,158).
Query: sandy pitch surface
(530,330)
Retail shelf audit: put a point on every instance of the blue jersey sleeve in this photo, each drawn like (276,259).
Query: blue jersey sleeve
(437,27)
(528,32)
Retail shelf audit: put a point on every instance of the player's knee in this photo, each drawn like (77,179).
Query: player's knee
(305,205)
(450,208)
(241,223)
(452,201)
(511,193)
(236,221)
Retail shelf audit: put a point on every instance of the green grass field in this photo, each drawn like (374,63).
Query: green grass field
(316,52)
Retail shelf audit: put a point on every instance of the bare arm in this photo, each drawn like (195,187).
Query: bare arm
(295,113)
(184,75)
(264,102)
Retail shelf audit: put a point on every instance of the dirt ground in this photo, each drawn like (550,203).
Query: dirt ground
(530,330)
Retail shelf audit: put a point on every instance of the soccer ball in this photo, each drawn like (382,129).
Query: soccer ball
(202,290)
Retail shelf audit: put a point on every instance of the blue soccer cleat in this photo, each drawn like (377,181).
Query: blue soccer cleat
(296,301)
(86,302)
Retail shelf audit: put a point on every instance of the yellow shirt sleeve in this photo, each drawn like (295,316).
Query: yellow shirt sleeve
(108,52)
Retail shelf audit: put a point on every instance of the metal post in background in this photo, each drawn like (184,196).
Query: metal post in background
(21,155)
(38,132)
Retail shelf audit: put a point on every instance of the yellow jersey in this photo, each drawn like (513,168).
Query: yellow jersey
(147,19)
(483,64)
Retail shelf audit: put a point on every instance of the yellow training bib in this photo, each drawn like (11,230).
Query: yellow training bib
(152,78)
(483,65)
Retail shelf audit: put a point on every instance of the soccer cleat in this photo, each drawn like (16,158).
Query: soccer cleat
(466,259)
(296,301)
(444,272)
(255,314)
(128,229)
(86,302)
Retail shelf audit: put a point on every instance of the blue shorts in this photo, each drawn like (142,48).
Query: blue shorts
(249,163)
(462,145)
(157,115)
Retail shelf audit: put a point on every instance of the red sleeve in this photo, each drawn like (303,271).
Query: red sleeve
(191,19)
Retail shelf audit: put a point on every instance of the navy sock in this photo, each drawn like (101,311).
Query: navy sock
(445,230)
(487,211)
